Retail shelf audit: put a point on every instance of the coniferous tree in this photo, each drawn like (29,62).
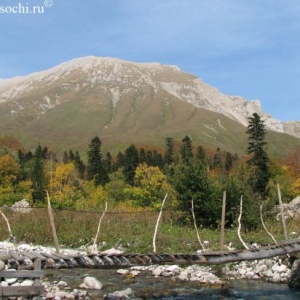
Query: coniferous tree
(95,168)
(169,151)
(131,161)
(65,158)
(142,156)
(38,176)
(217,161)
(201,154)
(71,155)
(157,159)
(186,149)
(259,160)
(108,162)
(228,162)
(45,153)
(28,156)
(21,157)
(80,167)
(120,162)
(149,158)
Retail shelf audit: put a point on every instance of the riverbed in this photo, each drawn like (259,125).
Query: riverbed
(146,286)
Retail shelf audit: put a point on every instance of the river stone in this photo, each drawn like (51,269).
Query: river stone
(279,268)
(4,283)
(91,283)
(123,271)
(11,280)
(184,276)
(135,273)
(125,294)
(62,283)
(50,296)
(294,281)
(2,265)
(268,273)
(27,282)
(158,271)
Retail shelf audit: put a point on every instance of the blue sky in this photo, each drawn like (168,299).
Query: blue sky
(249,48)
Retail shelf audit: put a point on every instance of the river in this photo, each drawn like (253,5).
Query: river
(145,286)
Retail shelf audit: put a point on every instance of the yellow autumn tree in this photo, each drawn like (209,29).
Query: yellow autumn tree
(296,187)
(8,177)
(8,170)
(95,199)
(64,186)
(150,186)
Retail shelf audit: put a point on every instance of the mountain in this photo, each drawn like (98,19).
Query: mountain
(124,102)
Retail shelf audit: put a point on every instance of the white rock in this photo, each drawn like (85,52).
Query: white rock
(27,282)
(111,251)
(2,265)
(4,283)
(50,296)
(275,278)
(268,273)
(125,294)
(242,271)
(250,274)
(91,283)
(279,268)
(260,269)
(122,271)
(62,283)
(173,268)
(158,271)
(135,273)
(11,280)
(184,276)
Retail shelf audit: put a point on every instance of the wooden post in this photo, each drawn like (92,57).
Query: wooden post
(98,229)
(52,224)
(223,222)
(281,212)
(8,226)
(240,224)
(263,224)
(157,223)
(195,225)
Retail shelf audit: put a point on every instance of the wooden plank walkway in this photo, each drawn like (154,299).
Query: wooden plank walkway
(24,291)
(24,260)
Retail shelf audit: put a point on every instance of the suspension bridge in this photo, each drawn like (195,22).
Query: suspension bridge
(25,260)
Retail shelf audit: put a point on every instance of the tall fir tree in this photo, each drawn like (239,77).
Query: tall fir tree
(169,151)
(95,168)
(217,161)
(259,160)
(228,161)
(131,161)
(201,155)
(38,176)
(142,156)
(186,149)
(80,167)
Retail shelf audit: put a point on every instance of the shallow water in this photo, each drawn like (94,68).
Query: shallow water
(147,287)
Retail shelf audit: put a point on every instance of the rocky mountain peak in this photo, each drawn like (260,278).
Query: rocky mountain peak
(115,79)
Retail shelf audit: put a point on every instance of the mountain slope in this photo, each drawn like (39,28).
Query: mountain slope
(124,102)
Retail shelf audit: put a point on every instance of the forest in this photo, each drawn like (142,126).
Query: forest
(137,179)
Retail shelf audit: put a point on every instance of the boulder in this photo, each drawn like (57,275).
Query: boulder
(290,210)
(294,280)
(125,294)
(21,206)
(91,283)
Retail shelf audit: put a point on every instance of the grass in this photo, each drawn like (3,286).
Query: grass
(133,230)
